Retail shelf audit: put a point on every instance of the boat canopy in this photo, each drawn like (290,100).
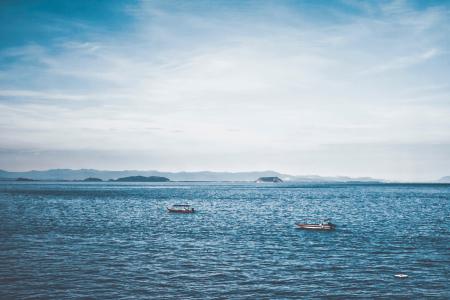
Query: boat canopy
(181,205)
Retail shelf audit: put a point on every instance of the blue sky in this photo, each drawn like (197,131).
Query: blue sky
(303,87)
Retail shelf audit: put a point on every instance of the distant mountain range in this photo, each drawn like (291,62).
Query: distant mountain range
(445,179)
(69,174)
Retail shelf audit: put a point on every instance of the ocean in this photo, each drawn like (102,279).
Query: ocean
(117,241)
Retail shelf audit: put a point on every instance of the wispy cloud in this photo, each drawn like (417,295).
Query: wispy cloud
(403,61)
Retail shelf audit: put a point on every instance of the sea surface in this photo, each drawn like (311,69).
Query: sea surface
(117,241)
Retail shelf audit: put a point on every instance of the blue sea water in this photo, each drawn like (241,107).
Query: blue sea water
(116,241)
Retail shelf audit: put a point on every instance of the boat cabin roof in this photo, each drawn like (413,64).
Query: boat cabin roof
(181,205)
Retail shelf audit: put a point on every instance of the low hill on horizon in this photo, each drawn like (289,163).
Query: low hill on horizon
(81,174)
(445,179)
(142,179)
(269,179)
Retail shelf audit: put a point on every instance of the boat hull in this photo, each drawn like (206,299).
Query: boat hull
(316,226)
(180,211)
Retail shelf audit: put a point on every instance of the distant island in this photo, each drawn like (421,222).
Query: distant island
(142,179)
(92,179)
(269,179)
(24,179)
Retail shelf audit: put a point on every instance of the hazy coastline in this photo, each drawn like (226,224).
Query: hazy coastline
(86,175)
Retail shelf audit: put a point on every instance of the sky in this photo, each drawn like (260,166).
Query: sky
(301,87)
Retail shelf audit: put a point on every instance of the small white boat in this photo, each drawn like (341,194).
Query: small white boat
(323,225)
(181,209)
(401,275)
